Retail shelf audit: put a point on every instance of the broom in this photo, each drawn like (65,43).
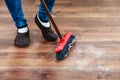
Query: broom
(65,42)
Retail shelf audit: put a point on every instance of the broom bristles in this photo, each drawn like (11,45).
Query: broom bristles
(63,50)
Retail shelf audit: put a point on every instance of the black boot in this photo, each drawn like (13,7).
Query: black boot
(22,39)
(47,33)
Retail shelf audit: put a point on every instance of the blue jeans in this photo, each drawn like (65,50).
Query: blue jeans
(15,8)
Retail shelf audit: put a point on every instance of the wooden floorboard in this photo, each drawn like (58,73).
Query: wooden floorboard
(94,56)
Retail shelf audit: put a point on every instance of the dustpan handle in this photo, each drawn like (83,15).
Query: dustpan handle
(51,19)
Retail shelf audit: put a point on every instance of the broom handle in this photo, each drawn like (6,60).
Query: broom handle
(51,19)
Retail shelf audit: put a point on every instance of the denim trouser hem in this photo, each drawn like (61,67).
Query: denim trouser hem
(21,24)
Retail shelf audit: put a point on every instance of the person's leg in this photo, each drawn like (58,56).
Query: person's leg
(42,13)
(15,9)
(42,20)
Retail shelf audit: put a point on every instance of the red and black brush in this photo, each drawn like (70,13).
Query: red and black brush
(65,41)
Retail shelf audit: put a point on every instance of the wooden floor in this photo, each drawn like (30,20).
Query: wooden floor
(94,56)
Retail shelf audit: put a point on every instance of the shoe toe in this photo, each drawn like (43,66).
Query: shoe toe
(22,40)
(22,43)
(53,37)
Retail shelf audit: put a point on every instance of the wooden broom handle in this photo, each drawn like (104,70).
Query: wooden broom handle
(51,19)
